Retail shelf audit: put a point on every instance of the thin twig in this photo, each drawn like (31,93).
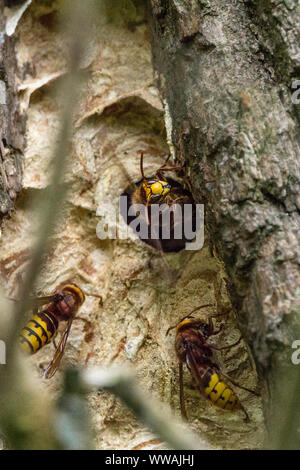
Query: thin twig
(56,192)
(14,412)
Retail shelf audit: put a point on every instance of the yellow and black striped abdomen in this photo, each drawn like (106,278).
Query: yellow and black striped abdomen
(218,391)
(38,332)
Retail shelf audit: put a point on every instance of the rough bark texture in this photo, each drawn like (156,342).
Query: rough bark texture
(12,124)
(225,70)
(120,113)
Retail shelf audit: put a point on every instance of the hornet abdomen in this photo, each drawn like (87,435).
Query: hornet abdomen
(38,331)
(213,388)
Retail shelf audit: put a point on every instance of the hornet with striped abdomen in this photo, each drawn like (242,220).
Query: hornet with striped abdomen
(163,208)
(63,305)
(193,349)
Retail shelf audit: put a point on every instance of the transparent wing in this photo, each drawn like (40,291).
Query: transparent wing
(54,364)
(192,364)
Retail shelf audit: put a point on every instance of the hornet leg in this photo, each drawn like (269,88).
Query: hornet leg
(236,384)
(246,419)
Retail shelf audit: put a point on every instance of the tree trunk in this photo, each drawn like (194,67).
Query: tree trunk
(12,124)
(225,71)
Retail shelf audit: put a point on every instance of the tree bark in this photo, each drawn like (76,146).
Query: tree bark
(12,124)
(225,71)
